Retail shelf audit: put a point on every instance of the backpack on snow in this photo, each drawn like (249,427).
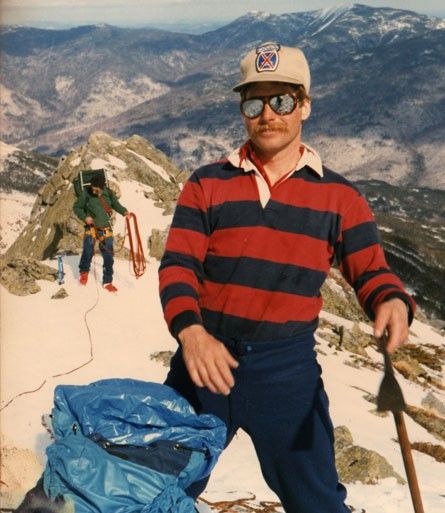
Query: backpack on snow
(125,445)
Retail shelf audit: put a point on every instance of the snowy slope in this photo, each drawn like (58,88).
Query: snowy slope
(126,329)
(15,208)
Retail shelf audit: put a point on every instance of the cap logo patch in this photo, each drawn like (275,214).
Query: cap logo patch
(267,58)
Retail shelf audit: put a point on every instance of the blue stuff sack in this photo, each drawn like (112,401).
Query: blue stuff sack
(128,446)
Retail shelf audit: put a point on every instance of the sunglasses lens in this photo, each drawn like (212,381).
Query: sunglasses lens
(282,104)
(252,108)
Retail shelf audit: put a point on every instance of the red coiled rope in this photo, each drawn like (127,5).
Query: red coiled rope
(137,257)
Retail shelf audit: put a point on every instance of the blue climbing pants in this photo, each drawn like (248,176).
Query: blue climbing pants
(279,401)
(106,249)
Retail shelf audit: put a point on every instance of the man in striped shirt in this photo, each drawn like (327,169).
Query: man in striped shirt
(251,242)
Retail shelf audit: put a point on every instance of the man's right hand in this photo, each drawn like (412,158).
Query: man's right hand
(89,220)
(208,361)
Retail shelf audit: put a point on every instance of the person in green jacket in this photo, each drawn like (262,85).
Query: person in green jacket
(94,207)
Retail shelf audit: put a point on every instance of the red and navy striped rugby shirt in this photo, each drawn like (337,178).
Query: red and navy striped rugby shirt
(250,268)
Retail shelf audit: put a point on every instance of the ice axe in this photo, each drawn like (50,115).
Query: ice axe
(390,398)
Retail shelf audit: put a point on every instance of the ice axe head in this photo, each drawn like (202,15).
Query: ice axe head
(390,397)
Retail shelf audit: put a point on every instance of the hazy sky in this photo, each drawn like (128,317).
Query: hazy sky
(146,12)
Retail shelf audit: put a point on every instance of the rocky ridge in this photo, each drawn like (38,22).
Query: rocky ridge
(54,229)
(53,226)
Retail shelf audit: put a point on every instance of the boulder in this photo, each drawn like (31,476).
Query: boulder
(19,275)
(354,340)
(355,463)
(60,294)
(156,243)
(339,298)
(433,403)
(163,357)
(343,438)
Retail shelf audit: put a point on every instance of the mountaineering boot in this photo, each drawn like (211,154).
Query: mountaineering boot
(110,287)
(83,279)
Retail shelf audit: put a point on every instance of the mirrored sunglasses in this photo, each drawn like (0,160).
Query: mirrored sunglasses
(281,104)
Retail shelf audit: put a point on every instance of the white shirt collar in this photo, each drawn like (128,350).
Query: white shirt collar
(309,158)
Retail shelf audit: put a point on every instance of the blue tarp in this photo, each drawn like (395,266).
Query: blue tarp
(128,446)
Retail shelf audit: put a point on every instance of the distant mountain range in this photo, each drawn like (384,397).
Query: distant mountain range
(378,88)
(24,171)
(412,227)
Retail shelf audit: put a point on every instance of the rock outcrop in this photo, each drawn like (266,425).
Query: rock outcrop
(53,228)
(156,243)
(340,299)
(355,463)
(19,275)
(354,340)
(434,424)
(60,294)
(431,402)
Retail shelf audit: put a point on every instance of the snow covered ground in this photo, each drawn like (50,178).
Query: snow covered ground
(105,335)
(15,208)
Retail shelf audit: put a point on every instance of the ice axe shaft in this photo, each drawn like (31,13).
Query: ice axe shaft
(408,462)
(390,398)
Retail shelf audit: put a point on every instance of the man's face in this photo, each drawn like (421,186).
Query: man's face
(270,132)
(97,191)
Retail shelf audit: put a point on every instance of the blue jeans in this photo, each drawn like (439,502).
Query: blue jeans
(106,249)
(279,400)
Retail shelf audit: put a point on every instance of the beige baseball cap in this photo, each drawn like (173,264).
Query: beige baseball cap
(272,62)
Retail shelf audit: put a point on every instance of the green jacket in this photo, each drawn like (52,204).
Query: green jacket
(88,205)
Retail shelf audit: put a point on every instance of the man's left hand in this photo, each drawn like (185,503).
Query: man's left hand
(392,315)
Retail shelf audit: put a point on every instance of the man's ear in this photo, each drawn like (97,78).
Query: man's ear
(305,110)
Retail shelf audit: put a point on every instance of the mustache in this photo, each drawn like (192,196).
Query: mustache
(273,127)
